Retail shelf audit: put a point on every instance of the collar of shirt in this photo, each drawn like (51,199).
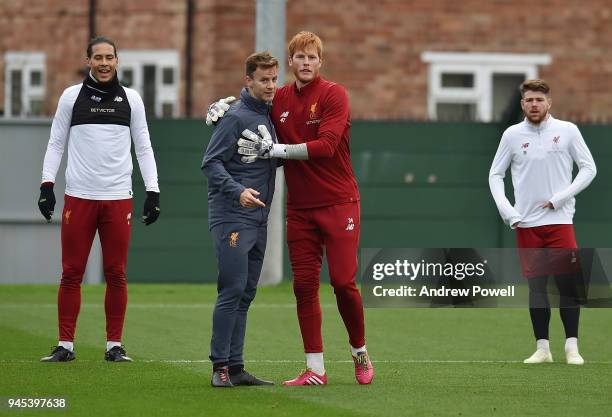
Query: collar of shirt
(308,87)
(258,106)
(107,90)
(542,125)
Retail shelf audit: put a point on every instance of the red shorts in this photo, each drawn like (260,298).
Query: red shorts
(547,250)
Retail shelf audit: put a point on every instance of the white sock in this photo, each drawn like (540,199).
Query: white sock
(66,345)
(110,345)
(314,361)
(571,343)
(355,351)
(542,344)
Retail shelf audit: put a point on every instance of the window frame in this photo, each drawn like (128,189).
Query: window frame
(483,66)
(26,62)
(135,60)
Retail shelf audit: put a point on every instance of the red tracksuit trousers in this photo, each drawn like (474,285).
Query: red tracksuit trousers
(335,228)
(80,220)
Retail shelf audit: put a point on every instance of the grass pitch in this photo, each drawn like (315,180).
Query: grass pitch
(429,362)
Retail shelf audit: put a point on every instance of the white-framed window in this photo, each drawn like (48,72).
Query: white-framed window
(471,86)
(24,84)
(155,75)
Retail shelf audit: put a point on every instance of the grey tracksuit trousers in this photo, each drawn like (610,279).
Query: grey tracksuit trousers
(240,252)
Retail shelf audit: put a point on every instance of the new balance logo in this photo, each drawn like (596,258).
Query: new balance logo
(350,225)
(118,99)
(284,116)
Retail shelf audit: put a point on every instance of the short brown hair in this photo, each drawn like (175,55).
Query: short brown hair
(259,60)
(303,40)
(534,85)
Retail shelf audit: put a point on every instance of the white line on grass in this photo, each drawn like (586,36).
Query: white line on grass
(147,305)
(400,361)
(276,361)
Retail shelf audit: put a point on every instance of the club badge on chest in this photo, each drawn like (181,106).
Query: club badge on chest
(524,147)
(314,115)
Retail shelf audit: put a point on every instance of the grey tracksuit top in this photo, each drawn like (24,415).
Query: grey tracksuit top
(228,176)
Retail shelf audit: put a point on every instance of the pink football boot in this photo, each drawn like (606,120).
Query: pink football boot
(364,372)
(308,377)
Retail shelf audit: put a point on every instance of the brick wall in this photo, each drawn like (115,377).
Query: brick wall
(59,28)
(372,47)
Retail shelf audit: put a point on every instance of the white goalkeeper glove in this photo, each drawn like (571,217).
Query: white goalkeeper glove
(254,146)
(218,109)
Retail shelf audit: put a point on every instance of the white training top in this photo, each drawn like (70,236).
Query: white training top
(99,163)
(541,159)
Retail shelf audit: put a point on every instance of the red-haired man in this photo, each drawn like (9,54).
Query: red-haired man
(312,120)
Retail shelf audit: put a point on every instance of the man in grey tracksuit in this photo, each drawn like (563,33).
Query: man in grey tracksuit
(240,191)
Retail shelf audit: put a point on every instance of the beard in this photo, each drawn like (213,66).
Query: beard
(536,118)
(307,78)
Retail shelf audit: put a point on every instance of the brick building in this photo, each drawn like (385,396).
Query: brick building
(417,60)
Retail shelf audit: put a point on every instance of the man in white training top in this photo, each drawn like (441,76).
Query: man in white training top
(99,119)
(540,152)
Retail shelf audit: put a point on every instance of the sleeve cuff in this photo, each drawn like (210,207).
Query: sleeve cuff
(557,202)
(152,188)
(513,220)
(239,191)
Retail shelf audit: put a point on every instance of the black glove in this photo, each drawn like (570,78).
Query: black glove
(46,202)
(151,208)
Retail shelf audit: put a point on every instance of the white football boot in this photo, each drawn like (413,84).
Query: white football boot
(540,356)
(573,357)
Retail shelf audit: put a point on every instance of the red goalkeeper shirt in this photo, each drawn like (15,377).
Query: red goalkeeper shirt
(317,114)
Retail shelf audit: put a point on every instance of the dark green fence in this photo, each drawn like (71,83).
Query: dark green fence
(422,185)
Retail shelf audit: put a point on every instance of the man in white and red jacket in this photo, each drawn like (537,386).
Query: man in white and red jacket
(98,120)
(540,152)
